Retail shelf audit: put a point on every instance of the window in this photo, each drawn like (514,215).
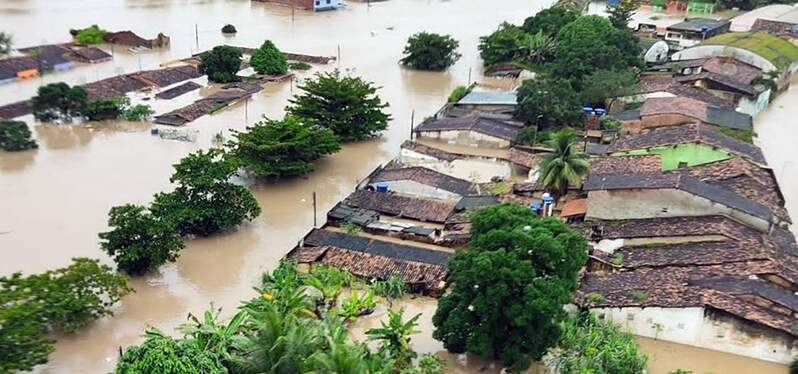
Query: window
(328,2)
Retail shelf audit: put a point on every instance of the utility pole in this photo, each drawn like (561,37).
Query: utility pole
(469,75)
(314,210)
(292,13)
(339,56)
(246,111)
(412,123)
(196,36)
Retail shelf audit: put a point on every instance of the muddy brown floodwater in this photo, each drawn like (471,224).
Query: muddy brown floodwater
(54,200)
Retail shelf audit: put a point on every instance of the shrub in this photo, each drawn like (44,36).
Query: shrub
(269,60)
(91,35)
(594,297)
(458,93)
(794,366)
(299,66)
(58,101)
(392,288)
(229,29)
(351,228)
(139,112)
(15,136)
(428,51)
(102,110)
(221,64)
(639,296)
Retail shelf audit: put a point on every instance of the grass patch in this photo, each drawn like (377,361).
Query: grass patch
(639,296)
(594,297)
(741,135)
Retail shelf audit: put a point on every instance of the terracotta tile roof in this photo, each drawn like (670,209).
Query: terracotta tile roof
(425,176)
(521,157)
(672,86)
(17,109)
(402,206)
(429,151)
(625,164)
(527,187)
(675,105)
(574,208)
(113,87)
(724,80)
(477,123)
(167,76)
(402,252)
(178,91)
(91,54)
(669,227)
(128,38)
(685,134)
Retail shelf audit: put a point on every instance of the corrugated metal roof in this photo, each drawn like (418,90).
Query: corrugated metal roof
(489,98)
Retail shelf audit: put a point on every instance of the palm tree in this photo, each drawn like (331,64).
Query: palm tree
(538,48)
(394,337)
(5,43)
(564,166)
(212,335)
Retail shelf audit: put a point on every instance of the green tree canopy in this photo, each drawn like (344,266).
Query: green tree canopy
(591,43)
(621,14)
(286,148)
(553,100)
(205,201)
(5,43)
(90,35)
(15,136)
(221,64)
(430,51)
(269,60)
(58,101)
(139,242)
(608,84)
(64,300)
(162,354)
(101,110)
(564,166)
(510,286)
(502,45)
(592,346)
(549,20)
(349,106)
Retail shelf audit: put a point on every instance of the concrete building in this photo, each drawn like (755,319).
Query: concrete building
(745,22)
(316,5)
(474,130)
(673,111)
(421,182)
(694,31)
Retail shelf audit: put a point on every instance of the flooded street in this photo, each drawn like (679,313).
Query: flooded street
(54,200)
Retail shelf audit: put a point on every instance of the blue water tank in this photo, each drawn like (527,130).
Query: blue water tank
(613,3)
(587,109)
(154,131)
(600,112)
(535,207)
(382,186)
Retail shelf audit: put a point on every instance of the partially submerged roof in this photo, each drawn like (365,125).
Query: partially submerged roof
(489,98)
(599,182)
(672,86)
(429,151)
(684,134)
(700,111)
(523,158)
(178,90)
(477,122)
(574,207)
(778,51)
(425,176)
(320,237)
(402,206)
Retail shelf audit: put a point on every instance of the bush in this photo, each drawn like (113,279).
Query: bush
(741,135)
(136,113)
(299,66)
(91,35)
(428,51)
(502,45)
(229,29)
(15,136)
(58,101)
(458,93)
(162,354)
(392,288)
(553,100)
(221,64)
(269,60)
(138,241)
(102,110)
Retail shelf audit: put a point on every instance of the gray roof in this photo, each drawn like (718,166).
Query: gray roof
(682,182)
(489,98)
(487,125)
(729,118)
(424,176)
(698,25)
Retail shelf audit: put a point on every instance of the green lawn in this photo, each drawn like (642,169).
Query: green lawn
(776,50)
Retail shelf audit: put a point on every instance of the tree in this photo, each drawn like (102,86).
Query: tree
(211,335)
(794,366)
(229,29)
(588,345)
(549,21)
(58,101)
(621,14)
(537,48)
(221,64)
(269,60)
(138,241)
(458,93)
(553,100)
(502,45)
(91,35)
(162,354)
(608,84)
(286,148)
(138,112)
(101,110)
(15,136)
(429,51)
(510,286)
(591,43)
(61,300)
(394,337)
(204,201)
(349,106)
(564,166)
(5,43)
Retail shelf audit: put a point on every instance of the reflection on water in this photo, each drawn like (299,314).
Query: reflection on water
(665,357)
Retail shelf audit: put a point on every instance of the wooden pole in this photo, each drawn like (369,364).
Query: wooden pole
(196,36)
(469,75)
(339,56)
(412,122)
(292,12)
(246,111)
(314,210)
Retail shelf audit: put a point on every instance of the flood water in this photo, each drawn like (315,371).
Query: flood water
(54,200)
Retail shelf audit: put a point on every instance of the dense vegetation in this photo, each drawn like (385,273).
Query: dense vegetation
(554,101)
(59,101)
(429,51)
(15,136)
(205,201)
(221,64)
(90,35)
(286,148)
(510,286)
(5,43)
(269,60)
(458,93)
(296,324)
(229,29)
(564,166)
(588,345)
(62,300)
(347,105)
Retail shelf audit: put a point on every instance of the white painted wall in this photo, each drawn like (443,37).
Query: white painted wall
(466,138)
(690,326)
(752,107)
(652,203)
(413,188)
(643,97)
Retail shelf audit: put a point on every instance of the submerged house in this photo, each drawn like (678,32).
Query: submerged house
(674,111)
(316,5)
(420,182)
(474,130)
(496,102)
